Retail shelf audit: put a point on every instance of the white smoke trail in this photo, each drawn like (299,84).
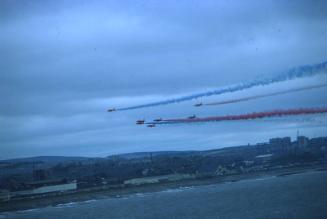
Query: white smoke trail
(264,95)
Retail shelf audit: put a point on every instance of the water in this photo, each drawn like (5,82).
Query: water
(294,196)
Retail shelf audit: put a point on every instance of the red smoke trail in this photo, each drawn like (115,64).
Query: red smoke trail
(255,115)
(264,95)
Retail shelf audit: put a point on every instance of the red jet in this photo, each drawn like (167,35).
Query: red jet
(112,110)
(140,122)
(192,117)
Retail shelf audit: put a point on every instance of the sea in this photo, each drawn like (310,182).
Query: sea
(302,195)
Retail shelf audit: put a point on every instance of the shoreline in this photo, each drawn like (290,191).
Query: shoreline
(85,196)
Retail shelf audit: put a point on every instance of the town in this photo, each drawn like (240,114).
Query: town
(56,176)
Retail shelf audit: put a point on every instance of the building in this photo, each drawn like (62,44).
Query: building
(47,186)
(264,158)
(318,143)
(280,141)
(157,179)
(280,144)
(302,141)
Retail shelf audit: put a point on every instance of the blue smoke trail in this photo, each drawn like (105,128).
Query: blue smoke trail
(299,72)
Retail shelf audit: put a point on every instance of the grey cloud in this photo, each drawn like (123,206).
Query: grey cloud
(63,63)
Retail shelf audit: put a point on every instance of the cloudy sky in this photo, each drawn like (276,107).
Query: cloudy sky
(64,63)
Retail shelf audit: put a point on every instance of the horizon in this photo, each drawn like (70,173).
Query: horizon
(106,156)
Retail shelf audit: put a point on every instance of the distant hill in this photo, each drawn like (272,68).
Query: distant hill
(139,155)
(26,165)
(44,159)
(52,160)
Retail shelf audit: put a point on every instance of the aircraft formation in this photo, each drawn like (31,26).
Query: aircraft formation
(295,73)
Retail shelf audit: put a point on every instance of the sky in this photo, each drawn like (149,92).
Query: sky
(64,63)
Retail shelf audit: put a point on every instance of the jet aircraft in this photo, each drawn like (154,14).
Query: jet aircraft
(192,117)
(140,122)
(112,110)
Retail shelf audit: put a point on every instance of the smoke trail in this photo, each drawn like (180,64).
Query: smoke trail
(255,115)
(299,72)
(264,95)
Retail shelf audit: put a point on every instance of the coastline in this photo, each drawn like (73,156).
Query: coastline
(87,196)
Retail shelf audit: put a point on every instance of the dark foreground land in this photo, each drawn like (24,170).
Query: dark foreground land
(148,172)
(104,193)
(296,194)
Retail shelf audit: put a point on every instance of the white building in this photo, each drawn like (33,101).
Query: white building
(47,188)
